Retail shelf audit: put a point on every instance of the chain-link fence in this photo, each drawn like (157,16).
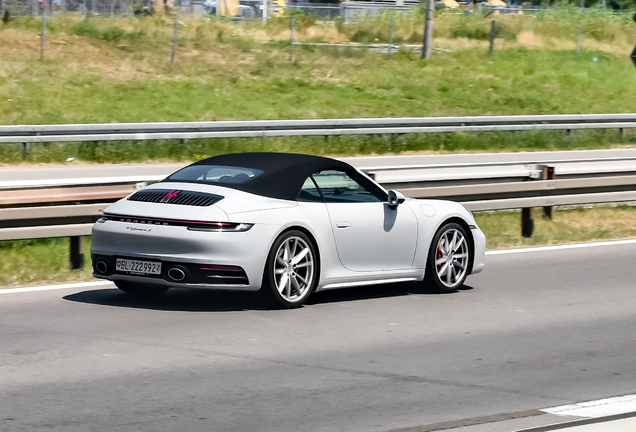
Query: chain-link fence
(90,8)
(249,9)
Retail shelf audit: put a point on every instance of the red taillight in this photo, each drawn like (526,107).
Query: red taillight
(219,226)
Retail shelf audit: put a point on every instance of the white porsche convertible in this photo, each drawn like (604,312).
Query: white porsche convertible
(289,224)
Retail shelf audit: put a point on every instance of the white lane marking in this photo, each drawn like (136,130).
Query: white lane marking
(597,408)
(559,247)
(54,287)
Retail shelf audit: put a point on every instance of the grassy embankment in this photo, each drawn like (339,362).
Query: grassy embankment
(47,261)
(119,71)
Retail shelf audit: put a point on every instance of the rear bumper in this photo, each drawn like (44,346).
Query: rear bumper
(238,257)
(184,274)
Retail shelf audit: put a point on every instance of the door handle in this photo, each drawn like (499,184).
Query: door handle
(343,224)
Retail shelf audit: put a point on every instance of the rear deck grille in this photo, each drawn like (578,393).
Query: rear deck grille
(168,196)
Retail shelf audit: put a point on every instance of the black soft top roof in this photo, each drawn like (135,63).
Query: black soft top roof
(283,173)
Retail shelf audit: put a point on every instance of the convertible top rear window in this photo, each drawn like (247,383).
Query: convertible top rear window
(215,174)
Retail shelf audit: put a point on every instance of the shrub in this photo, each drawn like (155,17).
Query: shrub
(30,23)
(85,28)
(113,34)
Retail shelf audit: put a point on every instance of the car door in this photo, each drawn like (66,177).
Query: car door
(369,234)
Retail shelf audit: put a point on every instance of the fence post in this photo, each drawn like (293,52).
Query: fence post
(265,11)
(77,253)
(427,45)
(390,37)
(491,37)
(43,36)
(343,12)
(175,37)
(527,224)
(218,8)
(578,40)
(291,38)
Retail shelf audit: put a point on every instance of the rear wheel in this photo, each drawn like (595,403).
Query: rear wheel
(291,270)
(140,289)
(448,259)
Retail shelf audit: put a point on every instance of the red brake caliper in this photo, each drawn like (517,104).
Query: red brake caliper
(438,255)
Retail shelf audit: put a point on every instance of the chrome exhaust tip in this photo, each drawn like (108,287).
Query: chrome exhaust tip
(176,274)
(101,267)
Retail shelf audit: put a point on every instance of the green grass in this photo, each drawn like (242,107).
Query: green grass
(503,229)
(177,150)
(28,262)
(467,82)
(118,71)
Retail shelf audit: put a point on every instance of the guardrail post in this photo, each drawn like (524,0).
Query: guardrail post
(26,148)
(527,223)
(622,131)
(77,254)
(548,174)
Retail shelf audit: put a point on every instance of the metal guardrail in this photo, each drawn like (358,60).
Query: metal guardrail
(318,127)
(482,186)
(68,207)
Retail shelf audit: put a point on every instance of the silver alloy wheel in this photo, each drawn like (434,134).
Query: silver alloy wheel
(294,269)
(451,258)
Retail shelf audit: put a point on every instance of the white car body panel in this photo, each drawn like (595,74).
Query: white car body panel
(372,236)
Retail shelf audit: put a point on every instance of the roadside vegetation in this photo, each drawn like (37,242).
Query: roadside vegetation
(118,70)
(32,262)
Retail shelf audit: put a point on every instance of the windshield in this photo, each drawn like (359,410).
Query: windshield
(215,174)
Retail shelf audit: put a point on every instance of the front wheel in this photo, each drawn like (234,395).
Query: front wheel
(140,289)
(291,270)
(448,259)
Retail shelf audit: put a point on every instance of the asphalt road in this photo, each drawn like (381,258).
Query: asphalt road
(533,330)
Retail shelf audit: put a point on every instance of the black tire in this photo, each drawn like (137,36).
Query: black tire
(298,271)
(140,289)
(447,265)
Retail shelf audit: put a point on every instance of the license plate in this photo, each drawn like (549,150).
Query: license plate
(138,267)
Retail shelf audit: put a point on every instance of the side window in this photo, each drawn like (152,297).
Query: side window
(339,187)
(309,192)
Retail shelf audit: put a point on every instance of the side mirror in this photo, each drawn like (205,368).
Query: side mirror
(395,198)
